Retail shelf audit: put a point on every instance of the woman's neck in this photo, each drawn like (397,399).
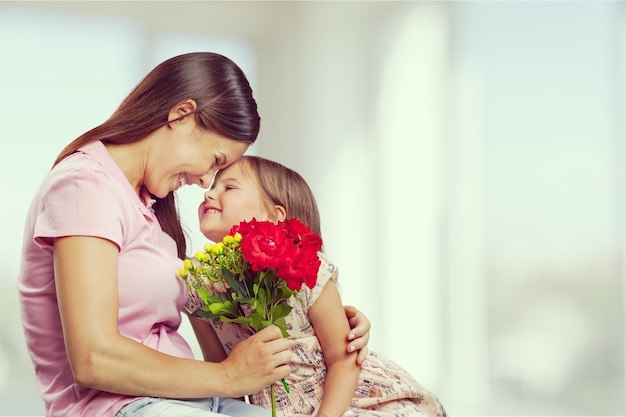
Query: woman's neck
(130,157)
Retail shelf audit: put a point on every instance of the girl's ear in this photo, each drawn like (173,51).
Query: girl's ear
(280,214)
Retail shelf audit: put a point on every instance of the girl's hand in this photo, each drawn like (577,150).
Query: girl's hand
(359,333)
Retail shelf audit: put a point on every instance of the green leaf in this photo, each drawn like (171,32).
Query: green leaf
(205,314)
(226,307)
(261,277)
(286,292)
(204,295)
(249,301)
(261,295)
(234,283)
(280,311)
(282,325)
(214,299)
(238,320)
(256,321)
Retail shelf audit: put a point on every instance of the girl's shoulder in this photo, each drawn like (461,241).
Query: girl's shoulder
(327,270)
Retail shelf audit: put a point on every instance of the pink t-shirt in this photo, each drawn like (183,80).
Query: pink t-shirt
(88,195)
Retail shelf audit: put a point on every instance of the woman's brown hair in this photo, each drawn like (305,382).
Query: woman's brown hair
(225,105)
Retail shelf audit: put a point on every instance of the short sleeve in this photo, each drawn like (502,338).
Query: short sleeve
(79,198)
(326,272)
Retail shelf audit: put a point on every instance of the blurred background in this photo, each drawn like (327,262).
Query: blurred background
(468,160)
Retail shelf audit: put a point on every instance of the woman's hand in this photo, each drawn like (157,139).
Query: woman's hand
(359,333)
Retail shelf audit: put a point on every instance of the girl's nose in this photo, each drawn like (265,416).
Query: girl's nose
(208,195)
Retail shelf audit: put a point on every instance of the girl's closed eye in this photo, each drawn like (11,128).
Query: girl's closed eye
(225,186)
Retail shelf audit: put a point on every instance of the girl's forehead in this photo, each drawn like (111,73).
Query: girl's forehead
(231,171)
(239,174)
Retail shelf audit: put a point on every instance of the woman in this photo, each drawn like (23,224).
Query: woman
(103,228)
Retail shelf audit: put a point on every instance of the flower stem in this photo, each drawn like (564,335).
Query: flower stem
(273,401)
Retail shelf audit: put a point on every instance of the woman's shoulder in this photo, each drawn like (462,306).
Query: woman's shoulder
(74,170)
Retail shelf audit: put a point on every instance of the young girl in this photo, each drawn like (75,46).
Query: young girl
(325,380)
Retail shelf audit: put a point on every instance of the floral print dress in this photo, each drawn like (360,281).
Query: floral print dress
(384,389)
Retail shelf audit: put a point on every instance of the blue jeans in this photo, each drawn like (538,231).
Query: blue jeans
(205,407)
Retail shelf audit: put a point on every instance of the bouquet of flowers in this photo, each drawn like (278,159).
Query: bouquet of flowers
(248,277)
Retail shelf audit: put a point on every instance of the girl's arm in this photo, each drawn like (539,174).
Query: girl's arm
(331,325)
(359,333)
(210,345)
(101,358)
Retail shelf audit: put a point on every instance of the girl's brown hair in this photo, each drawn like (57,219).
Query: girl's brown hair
(284,187)
(225,105)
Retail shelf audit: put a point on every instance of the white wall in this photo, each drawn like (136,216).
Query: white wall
(467,158)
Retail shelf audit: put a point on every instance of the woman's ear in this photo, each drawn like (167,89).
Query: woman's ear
(182,109)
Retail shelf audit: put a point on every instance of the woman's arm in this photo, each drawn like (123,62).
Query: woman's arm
(212,349)
(103,359)
(343,372)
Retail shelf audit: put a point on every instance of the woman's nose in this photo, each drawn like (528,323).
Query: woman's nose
(207,179)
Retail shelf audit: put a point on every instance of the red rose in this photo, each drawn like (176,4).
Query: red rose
(301,268)
(289,247)
(263,244)
(311,242)
(295,229)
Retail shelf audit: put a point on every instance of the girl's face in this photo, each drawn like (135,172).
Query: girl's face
(189,155)
(234,197)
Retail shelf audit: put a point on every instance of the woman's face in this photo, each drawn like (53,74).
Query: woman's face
(189,155)
(234,197)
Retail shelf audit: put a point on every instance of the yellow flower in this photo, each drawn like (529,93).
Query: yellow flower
(188,265)
(232,241)
(199,256)
(207,247)
(182,273)
(217,249)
